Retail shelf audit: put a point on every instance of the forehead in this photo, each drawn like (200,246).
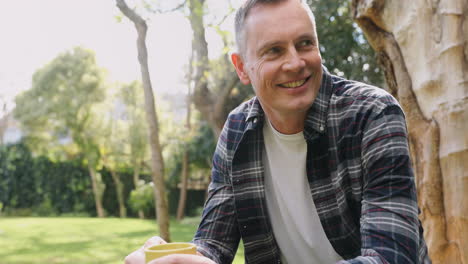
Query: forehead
(278,21)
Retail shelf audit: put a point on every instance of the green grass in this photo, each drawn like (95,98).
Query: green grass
(81,240)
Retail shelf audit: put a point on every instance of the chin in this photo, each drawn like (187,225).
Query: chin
(298,108)
(303,104)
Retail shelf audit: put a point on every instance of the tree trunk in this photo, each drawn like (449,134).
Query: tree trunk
(98,190)
(183,187)
(423,47)
(119,192)
(185,161)
(209,104)
(3,125)
(136,179)
(157,164)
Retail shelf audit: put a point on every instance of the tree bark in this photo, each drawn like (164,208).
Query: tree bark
(92,154)
(423,48)
(98,190)
(157,163)
(183,187)
(119,192)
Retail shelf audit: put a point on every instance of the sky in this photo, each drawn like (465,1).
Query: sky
(32,33)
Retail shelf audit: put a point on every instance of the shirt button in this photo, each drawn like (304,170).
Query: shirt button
(321,128)
(245,227)
(255,120)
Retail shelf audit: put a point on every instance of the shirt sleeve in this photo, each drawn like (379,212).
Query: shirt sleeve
(218,236)
(389,224)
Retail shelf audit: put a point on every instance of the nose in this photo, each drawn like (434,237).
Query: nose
(293,62)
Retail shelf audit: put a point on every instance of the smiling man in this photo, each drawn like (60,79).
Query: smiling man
(279,55)
(315,168)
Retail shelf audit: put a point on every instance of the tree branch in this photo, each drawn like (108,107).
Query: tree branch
(160,11)
(231,10)
(130,13)
(225,92)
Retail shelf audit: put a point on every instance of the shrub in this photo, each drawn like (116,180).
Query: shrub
(45,208)
(142,197)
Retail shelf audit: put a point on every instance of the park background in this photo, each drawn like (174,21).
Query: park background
(85,151)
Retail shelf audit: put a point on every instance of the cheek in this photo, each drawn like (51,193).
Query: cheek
(256,72)
(265,74)
(316,60)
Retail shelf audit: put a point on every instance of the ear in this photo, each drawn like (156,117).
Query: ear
(239,65)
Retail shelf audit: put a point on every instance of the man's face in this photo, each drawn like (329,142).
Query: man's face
(281,58)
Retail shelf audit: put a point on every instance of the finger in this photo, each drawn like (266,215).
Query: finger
(136,257)
(154,241)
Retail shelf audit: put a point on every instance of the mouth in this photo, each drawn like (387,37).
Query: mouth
(294,84)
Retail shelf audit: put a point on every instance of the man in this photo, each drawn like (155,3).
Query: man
(315,168)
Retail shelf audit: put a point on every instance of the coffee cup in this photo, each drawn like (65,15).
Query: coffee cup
(162,250)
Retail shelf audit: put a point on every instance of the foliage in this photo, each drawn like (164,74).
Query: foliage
(195,201)
(142,198)
(137,129)
(344,50)
(221,70)
(59,105)
(28,182)
(38,186)
(46,208)
(200,144)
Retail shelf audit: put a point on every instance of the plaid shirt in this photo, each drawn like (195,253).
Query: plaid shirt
(359,171)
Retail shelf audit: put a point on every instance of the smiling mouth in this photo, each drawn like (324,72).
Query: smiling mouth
(294,84)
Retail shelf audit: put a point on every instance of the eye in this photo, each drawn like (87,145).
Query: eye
(273,51)
(305,43)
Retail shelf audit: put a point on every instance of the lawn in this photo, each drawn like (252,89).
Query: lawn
(81,240)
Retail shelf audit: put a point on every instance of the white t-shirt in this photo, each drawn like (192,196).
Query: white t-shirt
(296,224)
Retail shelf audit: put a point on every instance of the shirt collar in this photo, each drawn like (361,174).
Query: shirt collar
(317,116)
(254,110)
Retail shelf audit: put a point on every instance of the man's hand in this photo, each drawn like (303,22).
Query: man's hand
(138,256)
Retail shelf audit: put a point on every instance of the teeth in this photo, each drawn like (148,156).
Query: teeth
(293,84)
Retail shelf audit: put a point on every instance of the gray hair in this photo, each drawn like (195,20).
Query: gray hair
(243,12)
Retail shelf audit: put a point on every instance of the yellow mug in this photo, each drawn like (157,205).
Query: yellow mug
(162,250)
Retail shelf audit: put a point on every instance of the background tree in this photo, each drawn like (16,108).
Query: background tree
(157,164)
(423,47)
(345,51)
(137,130)
(113,146)
(185,159)
(4,117)
(59,106)
(213,86)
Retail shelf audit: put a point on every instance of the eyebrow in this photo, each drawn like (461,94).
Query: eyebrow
(308,36)
(269,44)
